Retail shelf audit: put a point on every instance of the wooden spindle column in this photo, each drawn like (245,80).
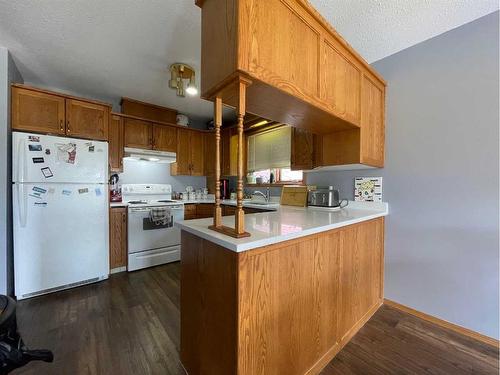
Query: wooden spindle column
(218,124)
(236,89)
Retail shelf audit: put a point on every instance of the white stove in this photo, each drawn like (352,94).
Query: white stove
(150,242)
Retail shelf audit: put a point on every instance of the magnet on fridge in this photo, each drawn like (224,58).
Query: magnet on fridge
(47,151)
(33,138)
(83,191)
(46,172)
(98,192)
(91,148)
(38,160)
(66,192)
(35,147)
(34,195)
(40,204)
(39,190)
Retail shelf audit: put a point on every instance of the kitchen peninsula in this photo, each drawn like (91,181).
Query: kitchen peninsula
(284,300)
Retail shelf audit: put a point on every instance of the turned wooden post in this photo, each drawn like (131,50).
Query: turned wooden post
(240,214)
(218,124)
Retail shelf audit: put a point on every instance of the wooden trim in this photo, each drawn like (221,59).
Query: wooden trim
(61,94)
(445,324)
(145,103)
(277,184)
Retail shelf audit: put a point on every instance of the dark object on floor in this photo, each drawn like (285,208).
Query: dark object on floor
(13,353)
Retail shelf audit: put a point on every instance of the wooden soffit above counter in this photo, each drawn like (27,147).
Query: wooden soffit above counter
(301,72)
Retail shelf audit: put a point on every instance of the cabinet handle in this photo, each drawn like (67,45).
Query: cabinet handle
(67,127)
(124,217)
(61,126)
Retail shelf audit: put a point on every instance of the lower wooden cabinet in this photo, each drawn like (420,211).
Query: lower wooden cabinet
(117,237)
(189,211)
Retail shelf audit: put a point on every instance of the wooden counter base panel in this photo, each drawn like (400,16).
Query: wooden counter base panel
(287,308)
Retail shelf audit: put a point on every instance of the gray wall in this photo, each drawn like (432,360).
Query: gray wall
(441,176)
(146,172)
(8,74)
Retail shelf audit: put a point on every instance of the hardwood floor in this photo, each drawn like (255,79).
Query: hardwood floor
(130,325)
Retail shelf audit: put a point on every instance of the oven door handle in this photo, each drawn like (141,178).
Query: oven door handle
(137,209)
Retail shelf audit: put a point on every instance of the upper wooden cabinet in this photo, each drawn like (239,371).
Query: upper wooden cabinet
(37,111)
(86,120)
(138,134)
(115,149)
(164,138)
(148,135)
(48,112)
(148,111)
(302,150)
(190,149)
(301,71)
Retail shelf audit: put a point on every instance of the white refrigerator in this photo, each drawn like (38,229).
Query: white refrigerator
(60,212)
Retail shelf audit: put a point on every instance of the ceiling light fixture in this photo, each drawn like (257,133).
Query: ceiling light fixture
(180,72)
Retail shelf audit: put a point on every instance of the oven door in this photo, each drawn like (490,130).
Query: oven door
(144,235)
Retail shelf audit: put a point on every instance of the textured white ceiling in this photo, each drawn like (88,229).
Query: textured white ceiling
(109,48)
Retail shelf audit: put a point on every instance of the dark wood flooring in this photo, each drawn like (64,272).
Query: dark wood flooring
(129,324)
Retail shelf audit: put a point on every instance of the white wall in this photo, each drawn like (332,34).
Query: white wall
(145,172)
(441,176)
(8,74)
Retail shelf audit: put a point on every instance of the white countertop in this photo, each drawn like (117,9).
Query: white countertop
(284,224)
(246,203)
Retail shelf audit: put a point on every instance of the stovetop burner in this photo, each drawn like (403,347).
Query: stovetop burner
(137,202)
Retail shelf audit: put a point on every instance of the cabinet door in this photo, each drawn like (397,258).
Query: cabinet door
(86,120)
(196,147)
(361,276)
(209,159)
(138,133)
(37,112)
(117,237)
(183,163)
(372,123)
(116,143)
(301,149)
(340,84)
(204,210)
(164,138)
(189,211)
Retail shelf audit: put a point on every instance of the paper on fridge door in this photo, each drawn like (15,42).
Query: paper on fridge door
(66,153)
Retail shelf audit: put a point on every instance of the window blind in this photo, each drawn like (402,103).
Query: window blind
(269,149)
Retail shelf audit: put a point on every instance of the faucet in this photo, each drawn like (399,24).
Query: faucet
(267,195)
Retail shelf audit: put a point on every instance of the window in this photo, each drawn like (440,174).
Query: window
(280,176)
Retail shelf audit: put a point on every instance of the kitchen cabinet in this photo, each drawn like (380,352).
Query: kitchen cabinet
(189,211)
(148,111)
(164,138)
(147,135)
(302,149)
(190,145)
(117,237)
(301,299)
(138,134)
(204,210)
(229,152)
(86,120)
(37,112)
(303,74)
(115,148)
(209,159)
(47,112)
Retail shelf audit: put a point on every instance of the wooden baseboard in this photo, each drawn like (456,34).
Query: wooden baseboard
(332,352)
(445,324)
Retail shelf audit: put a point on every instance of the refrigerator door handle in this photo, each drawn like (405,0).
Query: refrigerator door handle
(21,157)
(22,204)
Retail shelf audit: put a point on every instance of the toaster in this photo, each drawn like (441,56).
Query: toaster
(324,197)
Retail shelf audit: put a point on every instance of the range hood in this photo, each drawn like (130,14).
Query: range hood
(150,155)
